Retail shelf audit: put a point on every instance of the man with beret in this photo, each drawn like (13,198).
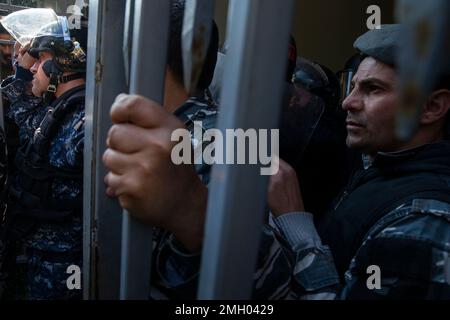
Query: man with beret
(388,236)
(389,232)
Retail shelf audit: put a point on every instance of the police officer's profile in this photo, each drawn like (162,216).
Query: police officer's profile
(42,233)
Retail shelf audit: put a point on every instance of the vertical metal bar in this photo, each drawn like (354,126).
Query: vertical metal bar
(149,58)
(196,39)
(102,216)
(423,58)
(128,38)
(231,5)
(252,91)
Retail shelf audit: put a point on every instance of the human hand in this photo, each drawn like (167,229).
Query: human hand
(142,175)
(284,195)
(24,59)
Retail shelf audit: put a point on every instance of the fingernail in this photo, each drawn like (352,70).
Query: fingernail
(121,97)
(110,193)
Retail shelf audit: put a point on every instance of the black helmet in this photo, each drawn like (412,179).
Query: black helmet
(319,80)
(68,54)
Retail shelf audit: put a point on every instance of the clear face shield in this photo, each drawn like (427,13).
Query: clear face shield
(345,78)
(57,29)
(26,24)
(302,112)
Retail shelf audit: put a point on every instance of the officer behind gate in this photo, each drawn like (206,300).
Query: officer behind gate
(43,229)
(395,215)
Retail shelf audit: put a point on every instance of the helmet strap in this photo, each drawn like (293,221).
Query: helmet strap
(72,77)
(50,95)
(56,77)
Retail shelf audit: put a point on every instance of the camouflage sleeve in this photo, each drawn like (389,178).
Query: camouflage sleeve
(176,272)
(407,258)
(74,146)
(23,106)
(314,274)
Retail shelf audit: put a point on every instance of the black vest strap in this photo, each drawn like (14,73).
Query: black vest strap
(346,227)
(32,189)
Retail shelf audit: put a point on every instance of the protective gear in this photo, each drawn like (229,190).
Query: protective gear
(346,76)
(55,38)
(307,100)
(49,33)
(33,204)
(33,190)
(392,181)
(301,114)
(68,56)
(318,80)
(312,132)
(310,75)
(24,25)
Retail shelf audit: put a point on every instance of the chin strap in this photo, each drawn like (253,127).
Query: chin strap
(72,77)
(56,78)
(49,95)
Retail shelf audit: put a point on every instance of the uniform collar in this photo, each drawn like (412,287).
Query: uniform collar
(383,159)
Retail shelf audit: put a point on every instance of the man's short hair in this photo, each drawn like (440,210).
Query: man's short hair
(175,55)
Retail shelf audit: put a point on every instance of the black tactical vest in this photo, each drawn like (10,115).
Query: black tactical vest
(30,192)
(393,180)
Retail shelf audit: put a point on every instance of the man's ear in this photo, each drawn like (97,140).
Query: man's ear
(437,107)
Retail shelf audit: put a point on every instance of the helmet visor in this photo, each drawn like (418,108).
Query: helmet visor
(26,24)
(345,79)
(299,120)
(56,29)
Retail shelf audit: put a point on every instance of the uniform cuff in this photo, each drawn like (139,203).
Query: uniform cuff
(299,230)
(23,74)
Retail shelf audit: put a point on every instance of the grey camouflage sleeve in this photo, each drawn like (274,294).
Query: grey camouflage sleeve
(314,273)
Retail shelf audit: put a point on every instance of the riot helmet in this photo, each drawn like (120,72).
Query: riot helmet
(51,34)
(313,134)
(67,55)
(346,76)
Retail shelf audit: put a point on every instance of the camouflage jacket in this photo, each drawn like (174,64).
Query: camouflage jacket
(294,263)
(405,252)
(390,232)
(50,247)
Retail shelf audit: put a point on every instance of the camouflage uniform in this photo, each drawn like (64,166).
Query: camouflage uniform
(47,248)
(410,243)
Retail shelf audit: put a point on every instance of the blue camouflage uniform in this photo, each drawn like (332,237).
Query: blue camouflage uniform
(48,247)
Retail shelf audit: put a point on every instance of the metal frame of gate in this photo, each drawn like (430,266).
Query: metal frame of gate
(106,79)
(257,37)
(101,253)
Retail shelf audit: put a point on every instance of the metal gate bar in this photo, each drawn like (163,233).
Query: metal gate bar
(149,55)
(252,92)
(102,216)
